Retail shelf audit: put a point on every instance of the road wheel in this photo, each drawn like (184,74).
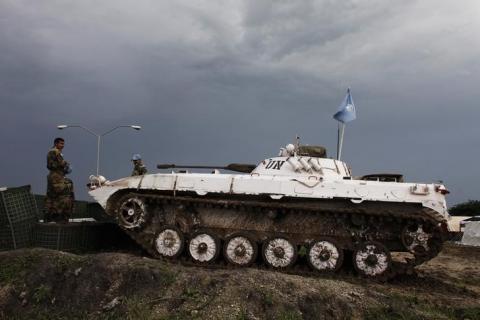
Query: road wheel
(279,253)
(204,247)
(169,242)
(240,250)
(324,256)
(372,259)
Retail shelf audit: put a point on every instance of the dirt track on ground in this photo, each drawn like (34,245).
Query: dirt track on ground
(46,284)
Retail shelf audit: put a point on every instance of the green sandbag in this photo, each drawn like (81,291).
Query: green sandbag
(312,151)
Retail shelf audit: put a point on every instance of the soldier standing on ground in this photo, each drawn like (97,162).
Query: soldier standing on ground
(60,197)
(139,168)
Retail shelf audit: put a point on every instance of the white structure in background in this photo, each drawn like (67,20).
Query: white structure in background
(471,235)
(455,223)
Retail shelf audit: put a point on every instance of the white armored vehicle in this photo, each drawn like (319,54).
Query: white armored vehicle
(299,199)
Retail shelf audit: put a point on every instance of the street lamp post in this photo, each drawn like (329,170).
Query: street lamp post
(99,136)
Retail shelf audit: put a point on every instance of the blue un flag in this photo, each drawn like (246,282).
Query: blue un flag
(346,111)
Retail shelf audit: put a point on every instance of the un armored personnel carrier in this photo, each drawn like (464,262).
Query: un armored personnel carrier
(298,200)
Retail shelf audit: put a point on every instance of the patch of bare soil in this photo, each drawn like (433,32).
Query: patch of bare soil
(46,284)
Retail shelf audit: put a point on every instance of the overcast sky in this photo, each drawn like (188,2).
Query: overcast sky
(214,82)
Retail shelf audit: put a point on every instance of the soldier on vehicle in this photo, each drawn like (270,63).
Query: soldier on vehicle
(138,167)
(60,196)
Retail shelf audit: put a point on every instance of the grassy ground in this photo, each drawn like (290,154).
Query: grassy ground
(45,284)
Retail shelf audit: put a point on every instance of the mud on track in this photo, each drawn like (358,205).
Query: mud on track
(45,284)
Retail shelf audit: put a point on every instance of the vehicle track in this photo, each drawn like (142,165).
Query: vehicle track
(360,223)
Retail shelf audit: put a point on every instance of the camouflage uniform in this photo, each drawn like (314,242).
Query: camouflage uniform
(60,196)
(138,168)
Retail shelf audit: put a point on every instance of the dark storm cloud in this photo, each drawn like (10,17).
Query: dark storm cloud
(213,83)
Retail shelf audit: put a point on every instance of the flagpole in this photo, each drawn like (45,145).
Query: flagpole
(338,139)
(341,132)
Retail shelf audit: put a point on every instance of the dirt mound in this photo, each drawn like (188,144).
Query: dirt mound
(40,283)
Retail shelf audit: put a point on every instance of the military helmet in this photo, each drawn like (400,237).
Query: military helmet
(136,156)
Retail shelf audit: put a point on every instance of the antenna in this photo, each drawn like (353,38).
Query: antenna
(297,143)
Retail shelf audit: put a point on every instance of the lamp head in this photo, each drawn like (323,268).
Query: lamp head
(135,127)
(62,126)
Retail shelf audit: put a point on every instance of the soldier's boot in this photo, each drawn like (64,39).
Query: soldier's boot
(64,218)
(55,217)
(60,218)
(47,217)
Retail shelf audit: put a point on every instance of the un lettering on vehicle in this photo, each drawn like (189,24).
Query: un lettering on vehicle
(274,164)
